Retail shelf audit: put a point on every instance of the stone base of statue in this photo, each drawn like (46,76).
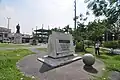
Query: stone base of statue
(17,38)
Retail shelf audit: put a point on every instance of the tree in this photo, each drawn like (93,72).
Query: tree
(57,30)
(96,29)
(81,27)
(67,29)
(109,8)
(115,29)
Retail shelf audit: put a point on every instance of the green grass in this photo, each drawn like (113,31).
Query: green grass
(112,62)
(6,45)
(8,59)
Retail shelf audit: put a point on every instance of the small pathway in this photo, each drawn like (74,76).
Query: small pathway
(30,66)
(108,49)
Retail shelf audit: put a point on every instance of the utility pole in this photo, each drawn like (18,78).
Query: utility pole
(36,30)
(42,33)
(48,27)
(74,21)
(75,14)
(8,18)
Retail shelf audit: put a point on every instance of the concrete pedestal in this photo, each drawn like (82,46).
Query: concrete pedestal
(17,38)
(59,61)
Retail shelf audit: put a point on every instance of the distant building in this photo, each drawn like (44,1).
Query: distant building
(42,35)
(7,36)
(4,34)
(26,38)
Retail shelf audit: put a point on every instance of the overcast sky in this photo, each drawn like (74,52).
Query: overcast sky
(32,13)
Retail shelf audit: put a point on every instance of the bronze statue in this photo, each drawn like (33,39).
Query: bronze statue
(18,29)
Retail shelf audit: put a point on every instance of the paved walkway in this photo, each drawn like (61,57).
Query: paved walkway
(108,49)
(73,71)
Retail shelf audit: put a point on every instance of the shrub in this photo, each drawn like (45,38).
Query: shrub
(79,46)
(88,43)
(118,43)
(117,57)
(34,42)
(111,44)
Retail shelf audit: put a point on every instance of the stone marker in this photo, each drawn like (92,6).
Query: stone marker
(60,50)
(115,51)
(88,59)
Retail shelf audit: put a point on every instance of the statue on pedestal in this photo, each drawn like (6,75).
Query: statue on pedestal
(18,28)
(18,36)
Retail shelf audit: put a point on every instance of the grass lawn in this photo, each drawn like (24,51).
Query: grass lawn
(112,62)
(6,45)
(8,69)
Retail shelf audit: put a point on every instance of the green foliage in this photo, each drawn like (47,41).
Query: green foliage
(10,45)
(57,30)
(79,46)
(96,29)
(112,64)
(34,42)
(117,57)
(111,44)
(109,8)
(8,69)
(118,43)
(88,43)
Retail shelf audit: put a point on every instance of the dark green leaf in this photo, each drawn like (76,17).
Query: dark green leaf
(90,5)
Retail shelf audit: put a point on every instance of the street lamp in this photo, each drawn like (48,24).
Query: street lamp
(8,21)
(113,36)
(103,36)
(75,15)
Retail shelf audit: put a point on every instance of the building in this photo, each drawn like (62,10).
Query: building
(4,34)
(26,38)
(42,35)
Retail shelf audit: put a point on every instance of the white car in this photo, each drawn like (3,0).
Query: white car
(6,41)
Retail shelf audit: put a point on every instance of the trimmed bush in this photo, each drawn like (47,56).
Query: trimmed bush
(88,43)
(111,44)
(34,42)
(79,46)
(118,43)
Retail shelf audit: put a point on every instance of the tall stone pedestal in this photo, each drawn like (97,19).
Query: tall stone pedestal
(17,38)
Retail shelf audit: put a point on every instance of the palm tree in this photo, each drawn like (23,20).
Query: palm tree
(55,29)
(67,29)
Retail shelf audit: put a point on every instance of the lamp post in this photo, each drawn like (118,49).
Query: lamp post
(103,36)
(8,21)
(75,20)
(113,36)
(75,15)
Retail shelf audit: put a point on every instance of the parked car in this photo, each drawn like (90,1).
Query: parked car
(6,41)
